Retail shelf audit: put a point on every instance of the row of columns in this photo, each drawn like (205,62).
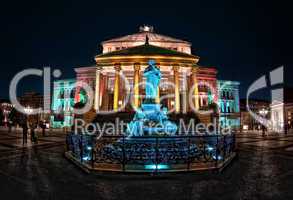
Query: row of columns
(137,68)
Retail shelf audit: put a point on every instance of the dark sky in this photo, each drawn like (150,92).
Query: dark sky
(243,39)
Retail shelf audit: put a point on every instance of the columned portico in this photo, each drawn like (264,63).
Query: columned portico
(110,92)
(175,68)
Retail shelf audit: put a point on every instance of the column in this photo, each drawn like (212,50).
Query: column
(97,92)
(184,101)
(195,87)
(215,87)
(236,99)
(117,68)
(201,100)
(177,91)
(105,101)
(158,89)
(136,84)
(76,98)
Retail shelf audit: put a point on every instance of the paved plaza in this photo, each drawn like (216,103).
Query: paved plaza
(262,170)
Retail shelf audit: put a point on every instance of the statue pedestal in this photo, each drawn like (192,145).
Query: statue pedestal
(151,111)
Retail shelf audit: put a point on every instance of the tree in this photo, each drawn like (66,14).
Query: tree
(1,117)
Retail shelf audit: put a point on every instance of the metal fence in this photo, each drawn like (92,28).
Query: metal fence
(152,153)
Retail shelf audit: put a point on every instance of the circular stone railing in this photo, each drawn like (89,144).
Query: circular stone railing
(151,153)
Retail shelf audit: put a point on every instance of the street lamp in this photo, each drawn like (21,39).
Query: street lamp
(28,110)
(263,112)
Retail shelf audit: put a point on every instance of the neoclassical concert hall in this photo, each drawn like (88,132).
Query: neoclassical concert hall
(126,57)
(129,56)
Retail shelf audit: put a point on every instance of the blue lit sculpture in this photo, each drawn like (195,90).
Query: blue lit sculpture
(150,119)
(153,77)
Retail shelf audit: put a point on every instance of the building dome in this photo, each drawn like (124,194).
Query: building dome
(138,39)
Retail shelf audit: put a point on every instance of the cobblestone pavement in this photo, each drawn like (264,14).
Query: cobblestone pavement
(262,170)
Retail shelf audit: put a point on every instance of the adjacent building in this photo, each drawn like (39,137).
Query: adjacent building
(257,106)
(229,103)
(63,101)
(282,111)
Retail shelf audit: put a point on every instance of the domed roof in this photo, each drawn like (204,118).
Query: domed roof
(146,50)
(146,31)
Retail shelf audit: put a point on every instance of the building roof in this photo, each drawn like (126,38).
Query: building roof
(146,50)
(146,31)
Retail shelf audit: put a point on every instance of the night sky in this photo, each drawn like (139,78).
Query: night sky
(243,40)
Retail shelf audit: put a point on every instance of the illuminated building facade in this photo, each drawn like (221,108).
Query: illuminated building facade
(125,58)
(62,104)
(33,100)
(229,103)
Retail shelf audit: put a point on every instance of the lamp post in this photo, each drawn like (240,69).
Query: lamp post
(263,112)
(28,110)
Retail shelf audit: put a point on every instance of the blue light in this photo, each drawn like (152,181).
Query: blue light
(86,158)
(158,167)
(219,157)
(89,148)
(210,148)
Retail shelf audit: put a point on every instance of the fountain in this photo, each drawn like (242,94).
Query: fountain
(150,119)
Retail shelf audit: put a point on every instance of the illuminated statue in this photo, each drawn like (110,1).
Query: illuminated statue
(150,119)
(153,77)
